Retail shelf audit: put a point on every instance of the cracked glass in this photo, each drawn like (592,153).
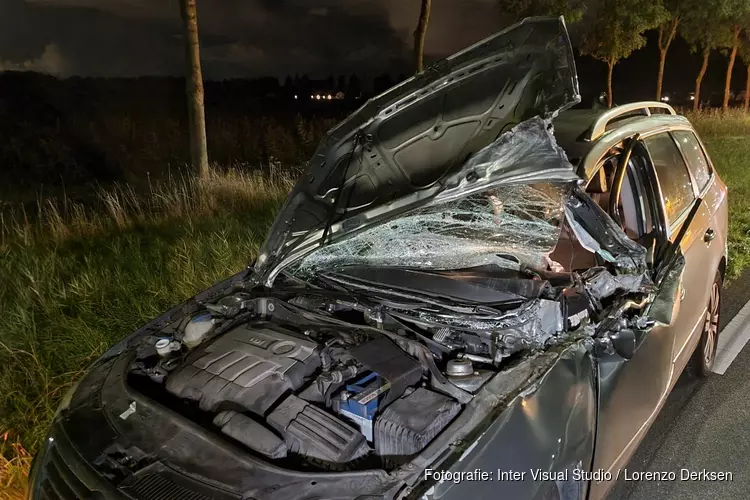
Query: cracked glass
(519,223)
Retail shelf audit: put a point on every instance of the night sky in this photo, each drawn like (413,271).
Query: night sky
(250,38)
(240,38)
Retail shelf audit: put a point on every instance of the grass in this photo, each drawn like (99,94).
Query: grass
(76,278)
(727,138)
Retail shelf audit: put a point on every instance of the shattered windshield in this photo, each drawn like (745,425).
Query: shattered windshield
(511,223)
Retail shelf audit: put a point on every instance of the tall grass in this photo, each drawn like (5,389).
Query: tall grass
(76,278)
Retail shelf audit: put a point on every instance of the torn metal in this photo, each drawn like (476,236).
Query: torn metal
(497,207)
(498,211)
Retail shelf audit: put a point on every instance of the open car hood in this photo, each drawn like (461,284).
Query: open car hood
(404,147)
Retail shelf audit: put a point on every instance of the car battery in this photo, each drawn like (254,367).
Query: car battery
(359,401)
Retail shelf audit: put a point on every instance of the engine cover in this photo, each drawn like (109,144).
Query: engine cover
(248,368)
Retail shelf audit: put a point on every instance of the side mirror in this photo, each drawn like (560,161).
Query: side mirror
(623,342)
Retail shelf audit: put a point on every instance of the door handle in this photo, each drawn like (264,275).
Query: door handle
(709,235)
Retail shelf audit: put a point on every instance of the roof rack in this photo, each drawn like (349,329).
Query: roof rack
(600,125)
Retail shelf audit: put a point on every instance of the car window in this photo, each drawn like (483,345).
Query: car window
(696,158)
(634,204)
(672,172)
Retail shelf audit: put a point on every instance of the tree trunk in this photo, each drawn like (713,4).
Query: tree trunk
(660,76)
(747,90)
(665,40)
(699,79)
(420,33)
(194,87)
(732,57)
(610,67)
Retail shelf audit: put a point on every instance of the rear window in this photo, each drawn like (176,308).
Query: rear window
(696,158)
(674,179)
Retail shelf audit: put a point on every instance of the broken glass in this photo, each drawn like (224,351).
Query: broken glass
(522,222)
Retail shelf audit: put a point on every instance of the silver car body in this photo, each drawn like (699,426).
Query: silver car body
(631,394)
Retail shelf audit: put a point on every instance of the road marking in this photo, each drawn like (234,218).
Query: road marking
(732,339)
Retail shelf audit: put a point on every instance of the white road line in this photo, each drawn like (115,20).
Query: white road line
(732,339)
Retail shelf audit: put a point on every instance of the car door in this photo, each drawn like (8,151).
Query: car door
(631,391)
(679,191)
(703,250)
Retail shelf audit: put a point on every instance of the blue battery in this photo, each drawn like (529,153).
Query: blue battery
(365,394)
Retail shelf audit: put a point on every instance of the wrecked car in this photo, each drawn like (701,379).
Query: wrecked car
(474,291)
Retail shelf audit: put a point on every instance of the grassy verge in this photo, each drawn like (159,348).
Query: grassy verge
(727,138)
(76,280)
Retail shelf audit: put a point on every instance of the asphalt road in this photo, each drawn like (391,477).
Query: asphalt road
(703,426)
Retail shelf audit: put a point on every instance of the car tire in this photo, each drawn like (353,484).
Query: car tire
(702,361)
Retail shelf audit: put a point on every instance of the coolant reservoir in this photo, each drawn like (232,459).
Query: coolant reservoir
(165,346)
(197,328)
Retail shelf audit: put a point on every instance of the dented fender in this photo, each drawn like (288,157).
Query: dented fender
(548,427)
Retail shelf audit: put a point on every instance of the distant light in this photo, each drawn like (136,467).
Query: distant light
(692,97)
(665,98)
(295,96)
(317,96)
(312,96)
(329,96)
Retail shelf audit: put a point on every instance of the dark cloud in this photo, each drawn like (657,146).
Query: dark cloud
(239,38)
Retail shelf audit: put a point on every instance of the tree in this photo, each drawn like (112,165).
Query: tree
(703,28)
(194,84)
(667,31)
(420,33)
(733,47)
(745,56)
(617,30)
(517,10)
(736,18)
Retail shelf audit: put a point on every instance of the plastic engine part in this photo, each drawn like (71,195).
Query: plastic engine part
(313,433)
(390,362)
(249,367)
(252,434)
(410,423)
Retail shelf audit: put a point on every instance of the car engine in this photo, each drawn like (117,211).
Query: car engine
(318,383)
(321,397)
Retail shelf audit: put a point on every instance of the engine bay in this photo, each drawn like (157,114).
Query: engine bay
(318,379)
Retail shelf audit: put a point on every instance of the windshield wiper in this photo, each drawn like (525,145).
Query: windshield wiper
(455,306)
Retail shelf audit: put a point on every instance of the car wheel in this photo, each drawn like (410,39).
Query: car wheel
(705,352)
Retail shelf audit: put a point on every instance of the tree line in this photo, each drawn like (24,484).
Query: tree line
(611,30)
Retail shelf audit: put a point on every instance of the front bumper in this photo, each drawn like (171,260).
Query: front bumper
(59,473)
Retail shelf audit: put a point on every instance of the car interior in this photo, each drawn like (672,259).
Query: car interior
(633,214)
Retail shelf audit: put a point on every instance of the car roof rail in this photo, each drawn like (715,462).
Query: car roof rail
(600,125)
